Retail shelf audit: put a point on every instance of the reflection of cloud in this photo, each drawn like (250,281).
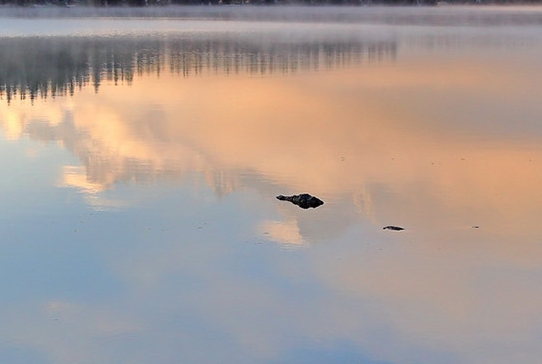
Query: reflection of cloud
(349,142)
(286,232)
(13,124)
(75,176)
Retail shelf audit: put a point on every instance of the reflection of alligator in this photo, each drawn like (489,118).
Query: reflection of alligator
(304,200)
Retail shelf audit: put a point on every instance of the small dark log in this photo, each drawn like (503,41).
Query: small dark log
(395,228)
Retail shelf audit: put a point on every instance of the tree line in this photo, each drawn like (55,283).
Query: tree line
(104,3)
(143,3)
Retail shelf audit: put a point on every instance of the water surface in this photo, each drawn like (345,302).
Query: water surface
(141,158)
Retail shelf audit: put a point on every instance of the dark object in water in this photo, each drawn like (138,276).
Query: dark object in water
(395,228)
(304,200)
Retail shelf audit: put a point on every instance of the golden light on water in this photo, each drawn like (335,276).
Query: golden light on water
(317,132)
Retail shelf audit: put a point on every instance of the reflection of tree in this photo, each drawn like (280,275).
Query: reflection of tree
(270,57)
(42,67)
(36,67)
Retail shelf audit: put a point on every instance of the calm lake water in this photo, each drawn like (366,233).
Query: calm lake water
(140,158)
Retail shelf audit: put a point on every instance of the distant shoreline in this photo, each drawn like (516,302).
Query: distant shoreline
(144,6)
(346,12)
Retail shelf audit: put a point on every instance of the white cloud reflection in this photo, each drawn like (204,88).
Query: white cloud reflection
(286,232)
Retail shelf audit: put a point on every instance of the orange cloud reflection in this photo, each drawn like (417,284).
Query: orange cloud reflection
(418,135)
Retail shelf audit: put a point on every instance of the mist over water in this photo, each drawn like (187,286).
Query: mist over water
(141,159)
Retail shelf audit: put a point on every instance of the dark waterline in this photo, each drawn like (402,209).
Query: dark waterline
(451,15)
